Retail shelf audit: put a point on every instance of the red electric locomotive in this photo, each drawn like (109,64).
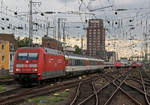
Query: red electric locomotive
(118,64)
(134,64)
(33,65)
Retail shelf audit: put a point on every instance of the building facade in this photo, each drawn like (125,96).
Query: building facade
(4,57)
(111,56)
(96,38)
(11,39)
(51,43)
(11,48)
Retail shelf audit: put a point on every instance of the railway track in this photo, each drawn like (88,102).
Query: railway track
(87,94)
(83,91)
(17,96)
(116,87)
(116,92)
(29,93)
(7,81)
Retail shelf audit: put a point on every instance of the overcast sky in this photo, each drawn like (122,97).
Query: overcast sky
(73,5)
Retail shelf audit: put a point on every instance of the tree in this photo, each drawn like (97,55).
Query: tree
(77,50)
(22,42)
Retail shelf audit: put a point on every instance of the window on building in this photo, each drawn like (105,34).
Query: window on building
(11,47)
(11,57)
(3,58)
(3,47)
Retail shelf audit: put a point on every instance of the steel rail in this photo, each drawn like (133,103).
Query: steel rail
(129,96)
(148,81)
(144,88)
(118,87)
(77,94)
(133,79)
(139,90)
(95,94)
(99,90)
(92,95)
(146,73)
(93,85)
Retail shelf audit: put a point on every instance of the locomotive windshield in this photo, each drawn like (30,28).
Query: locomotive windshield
(27,56)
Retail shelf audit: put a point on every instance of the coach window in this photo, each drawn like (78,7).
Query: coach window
(70,62)
(82,62)
(73,62)
(91,62)
(77,62)
(11,57)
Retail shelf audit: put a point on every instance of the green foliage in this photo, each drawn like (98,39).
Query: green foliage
(77,50)
(22,42)
(6,77)
(2,88)
(49,99)
(64,94)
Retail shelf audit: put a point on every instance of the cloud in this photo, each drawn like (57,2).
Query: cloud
(67,1)
(124,2)
(131,3)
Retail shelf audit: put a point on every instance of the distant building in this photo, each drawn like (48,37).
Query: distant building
(4,57)
(111,56)
(11,39)
(96,38)
(51,43)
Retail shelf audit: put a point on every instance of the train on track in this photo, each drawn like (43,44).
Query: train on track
(134,64)
(34,65)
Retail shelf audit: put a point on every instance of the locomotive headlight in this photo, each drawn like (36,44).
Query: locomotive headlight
(17,69)
(34,69)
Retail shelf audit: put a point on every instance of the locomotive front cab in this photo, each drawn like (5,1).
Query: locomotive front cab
(27,65)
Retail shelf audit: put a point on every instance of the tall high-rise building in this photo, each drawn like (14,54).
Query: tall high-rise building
(95,38)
